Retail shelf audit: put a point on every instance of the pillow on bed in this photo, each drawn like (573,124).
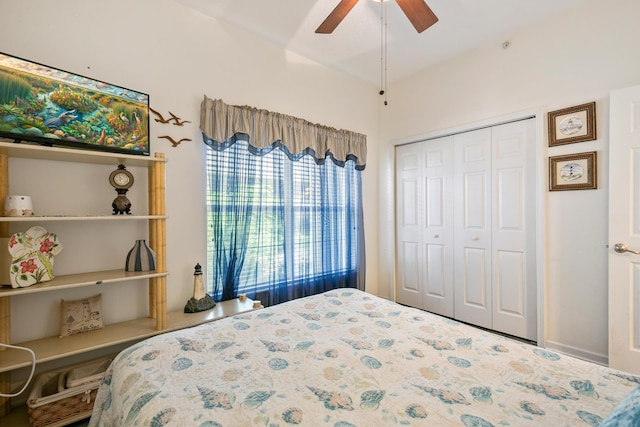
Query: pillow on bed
(80,315)
(626,413)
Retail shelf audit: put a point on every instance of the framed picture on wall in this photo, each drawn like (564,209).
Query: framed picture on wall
(573,172)
(573,124)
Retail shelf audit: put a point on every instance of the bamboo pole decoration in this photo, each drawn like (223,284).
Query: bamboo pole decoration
(160,243)
(5,377)
(153,238)
(161,320)
(5,302)
(5,307)
(162,247)
(4,190)
(161,291)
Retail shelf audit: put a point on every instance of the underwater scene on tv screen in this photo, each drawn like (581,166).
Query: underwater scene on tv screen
(42,104)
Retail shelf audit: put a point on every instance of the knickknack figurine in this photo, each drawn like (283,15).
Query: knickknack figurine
(200,301)
(32,255)
(140,258)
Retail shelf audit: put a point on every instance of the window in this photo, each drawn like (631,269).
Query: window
(280,228)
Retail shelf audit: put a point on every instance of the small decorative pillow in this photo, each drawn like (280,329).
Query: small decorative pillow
(81,315)
(32,255)
(626,413)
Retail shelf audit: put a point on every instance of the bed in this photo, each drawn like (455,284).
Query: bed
(347,358)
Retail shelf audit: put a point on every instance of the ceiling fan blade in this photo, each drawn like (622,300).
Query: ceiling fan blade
(335,17)
(420,15)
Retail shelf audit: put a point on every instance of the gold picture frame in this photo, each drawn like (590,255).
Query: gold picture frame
(573,124)
(573,172)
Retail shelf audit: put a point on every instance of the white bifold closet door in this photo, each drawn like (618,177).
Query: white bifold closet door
(466,227)
(424,206)
(472,225)
(409,269)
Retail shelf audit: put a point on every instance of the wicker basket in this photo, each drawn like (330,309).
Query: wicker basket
(52,402)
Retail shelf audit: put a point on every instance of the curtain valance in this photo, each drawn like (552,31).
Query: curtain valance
(223,124)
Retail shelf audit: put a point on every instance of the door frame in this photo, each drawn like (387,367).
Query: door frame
(541,172)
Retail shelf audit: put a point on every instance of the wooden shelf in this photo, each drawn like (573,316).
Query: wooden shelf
(180,320)
(79,218)
(52,348)
(82,279)
(42,152)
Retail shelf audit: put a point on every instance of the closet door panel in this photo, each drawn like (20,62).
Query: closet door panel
(410,272)
(510,284)
(408,224)
(513,229)
(409,206)
(510,199)
(436,286)
(472,217)
(474,201)
(474,286)
(437,233)
(434,198)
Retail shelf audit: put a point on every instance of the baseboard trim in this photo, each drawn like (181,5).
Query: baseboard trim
(600,359)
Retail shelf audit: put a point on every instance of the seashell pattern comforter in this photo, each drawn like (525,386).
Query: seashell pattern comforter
(347,358)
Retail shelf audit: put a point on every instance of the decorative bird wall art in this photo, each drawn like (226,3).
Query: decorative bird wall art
(174,120)
(174,143)
(177,121)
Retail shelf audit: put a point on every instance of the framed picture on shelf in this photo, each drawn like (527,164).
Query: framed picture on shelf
(573,124)
(573,172)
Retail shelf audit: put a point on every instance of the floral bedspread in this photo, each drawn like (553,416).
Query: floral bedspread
(347,358)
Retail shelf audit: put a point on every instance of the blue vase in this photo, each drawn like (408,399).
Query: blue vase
(140,258)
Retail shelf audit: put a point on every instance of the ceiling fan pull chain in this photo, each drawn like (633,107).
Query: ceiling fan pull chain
(385,55)
(383,51)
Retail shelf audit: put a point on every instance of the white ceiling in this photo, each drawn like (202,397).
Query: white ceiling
(355,46)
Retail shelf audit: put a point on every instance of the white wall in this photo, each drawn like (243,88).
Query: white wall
(176,55)
(566,60)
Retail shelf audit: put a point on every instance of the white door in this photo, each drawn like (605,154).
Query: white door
(472,234)
(513,234)
(424,212)
(495,274)
(624,228)
(437,231)
(465,223)
(408,229)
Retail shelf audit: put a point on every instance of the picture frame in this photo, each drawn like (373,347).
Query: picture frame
(573,124)
(573,172)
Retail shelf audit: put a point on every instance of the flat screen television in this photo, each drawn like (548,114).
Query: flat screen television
(49,106)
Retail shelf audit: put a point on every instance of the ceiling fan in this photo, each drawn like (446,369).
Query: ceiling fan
(417,11)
